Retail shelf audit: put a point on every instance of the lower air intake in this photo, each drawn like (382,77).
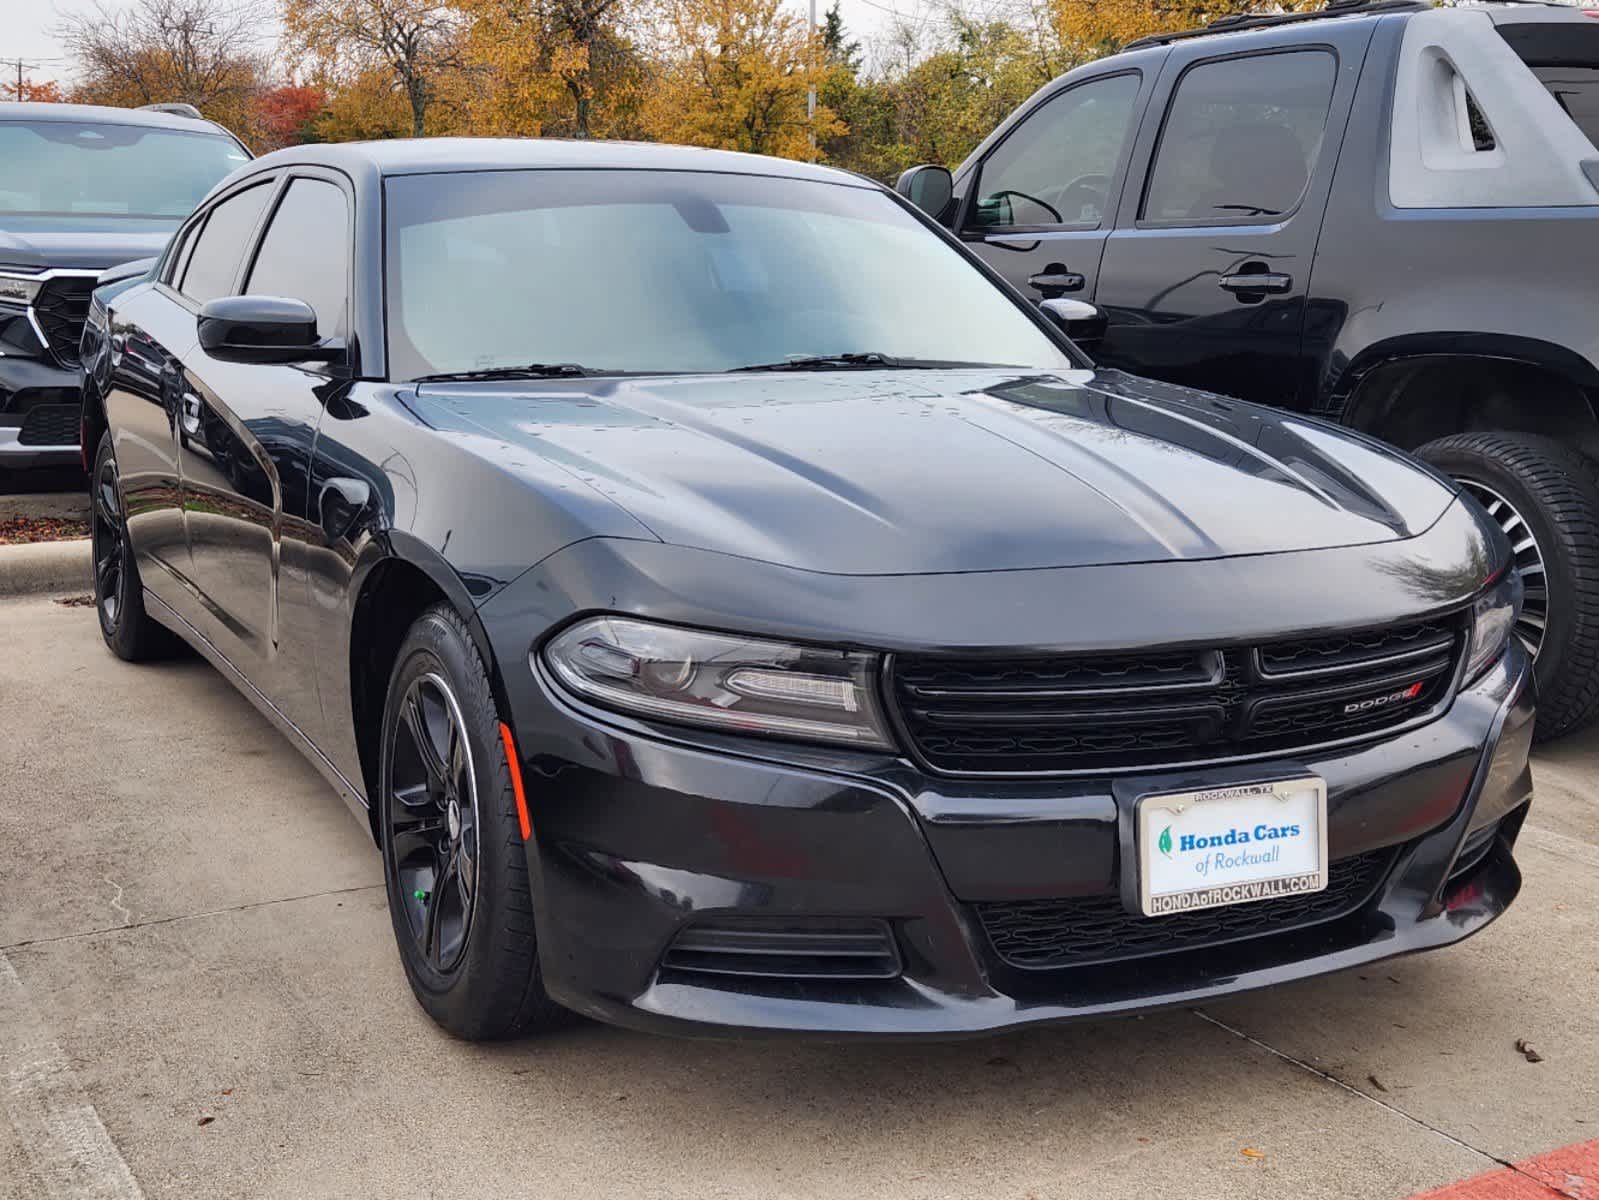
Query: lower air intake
(1041,935)
(786,950)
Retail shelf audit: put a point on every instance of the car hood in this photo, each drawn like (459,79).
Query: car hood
(902,472)
(83,250)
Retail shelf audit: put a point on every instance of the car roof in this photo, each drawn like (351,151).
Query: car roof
(446,155)
(102,114)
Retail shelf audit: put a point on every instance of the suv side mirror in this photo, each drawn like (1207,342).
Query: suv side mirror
(1081,321)
(263,329)
(928,187)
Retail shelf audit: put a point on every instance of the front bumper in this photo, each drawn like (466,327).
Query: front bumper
(638,835)
(39,412)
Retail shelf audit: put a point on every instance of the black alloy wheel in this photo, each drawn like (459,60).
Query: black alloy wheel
(128,630)
(109,540)
(455,862)
(433,821)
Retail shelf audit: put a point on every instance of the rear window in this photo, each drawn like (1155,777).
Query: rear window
(1565,58)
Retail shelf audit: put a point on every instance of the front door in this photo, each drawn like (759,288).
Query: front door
(1204,279)
(1037,207)
(247,432)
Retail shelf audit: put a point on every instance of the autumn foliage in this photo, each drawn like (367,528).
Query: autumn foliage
(735,74)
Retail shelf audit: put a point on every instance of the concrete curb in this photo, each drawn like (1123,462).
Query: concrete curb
(43,567)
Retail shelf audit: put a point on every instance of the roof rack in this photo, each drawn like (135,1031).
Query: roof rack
(1236,21)
(175,109)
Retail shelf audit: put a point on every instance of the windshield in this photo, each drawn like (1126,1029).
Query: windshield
(677,271)
(68,168)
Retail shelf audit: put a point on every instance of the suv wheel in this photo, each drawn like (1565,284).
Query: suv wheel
(1545,496)
(453,856)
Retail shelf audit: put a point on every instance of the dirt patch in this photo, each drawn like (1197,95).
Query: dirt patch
(17,530)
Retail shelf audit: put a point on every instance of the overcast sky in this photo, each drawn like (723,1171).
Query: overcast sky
(29,29)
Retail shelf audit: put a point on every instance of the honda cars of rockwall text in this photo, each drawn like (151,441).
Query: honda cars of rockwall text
(733,609)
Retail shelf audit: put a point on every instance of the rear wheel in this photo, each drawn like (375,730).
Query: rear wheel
(1545,496)
(454,861)
(128,630)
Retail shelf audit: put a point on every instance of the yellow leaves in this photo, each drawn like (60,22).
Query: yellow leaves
(735,75)
(1087,29)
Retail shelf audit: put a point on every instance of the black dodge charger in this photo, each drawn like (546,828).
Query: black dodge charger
(735,609)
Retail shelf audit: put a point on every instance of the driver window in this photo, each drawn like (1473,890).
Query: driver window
(1056,167)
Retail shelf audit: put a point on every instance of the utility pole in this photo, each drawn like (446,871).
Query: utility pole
(810,95)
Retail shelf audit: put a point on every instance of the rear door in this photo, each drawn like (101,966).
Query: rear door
(1037,207)
(1204,279)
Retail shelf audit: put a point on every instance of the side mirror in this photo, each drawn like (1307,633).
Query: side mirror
(928,187)
(263,329)
(1081,321)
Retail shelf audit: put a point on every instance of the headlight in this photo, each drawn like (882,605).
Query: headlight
(1493,617)
(738,684)
(15,289)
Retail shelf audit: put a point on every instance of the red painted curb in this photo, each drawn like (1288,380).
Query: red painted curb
(1571,1172)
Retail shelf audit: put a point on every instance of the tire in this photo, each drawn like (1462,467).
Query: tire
(469,952)
(1539,487)
(130,632)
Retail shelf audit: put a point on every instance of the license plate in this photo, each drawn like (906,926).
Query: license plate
(1231,845)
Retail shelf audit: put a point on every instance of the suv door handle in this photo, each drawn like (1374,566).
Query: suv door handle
(1055,277)
(1273,282)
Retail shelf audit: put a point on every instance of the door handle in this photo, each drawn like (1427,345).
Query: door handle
(1272,282)
(190,414)
(1056,278)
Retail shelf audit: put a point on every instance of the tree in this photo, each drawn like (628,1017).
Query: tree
(551,67)
(201,52)
(26,90)
(1090,29)
(286,113)
(735,74)
(838,48)
(413,42)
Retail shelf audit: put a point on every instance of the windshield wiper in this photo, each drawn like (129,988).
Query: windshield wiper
(530,371)
(869,360)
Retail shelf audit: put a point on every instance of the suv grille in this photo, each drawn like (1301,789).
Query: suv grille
(62,308)
(1040,935)
(1163,708)
(50,425)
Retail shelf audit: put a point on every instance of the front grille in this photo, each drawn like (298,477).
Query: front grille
(1164,708)
(50,425)
(1041,935)
(786,950)
(61,308)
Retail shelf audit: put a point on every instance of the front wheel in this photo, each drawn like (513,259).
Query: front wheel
(453,857)
(130,632)
(1545,496)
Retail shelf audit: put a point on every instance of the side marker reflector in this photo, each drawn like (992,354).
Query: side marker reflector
(516,780)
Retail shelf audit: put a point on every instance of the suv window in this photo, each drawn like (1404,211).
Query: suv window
(1565,58)
(1240,139)
(219,246)
(305,253)
(1055,168)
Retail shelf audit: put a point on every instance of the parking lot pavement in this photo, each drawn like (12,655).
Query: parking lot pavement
(192,927)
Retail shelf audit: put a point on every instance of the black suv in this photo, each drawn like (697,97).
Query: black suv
(84,189)
(1382,214)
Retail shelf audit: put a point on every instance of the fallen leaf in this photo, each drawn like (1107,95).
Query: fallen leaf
(1144,1140)
(227,1091)
(75,601)
(16,530)
(1528,1051)
(205,1120)
(1251,1152)
(1376,1083)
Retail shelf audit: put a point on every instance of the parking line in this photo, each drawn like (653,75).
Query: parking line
(1572,1173)
(60,1131)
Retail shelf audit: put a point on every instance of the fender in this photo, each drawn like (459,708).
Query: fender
(1345,378)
